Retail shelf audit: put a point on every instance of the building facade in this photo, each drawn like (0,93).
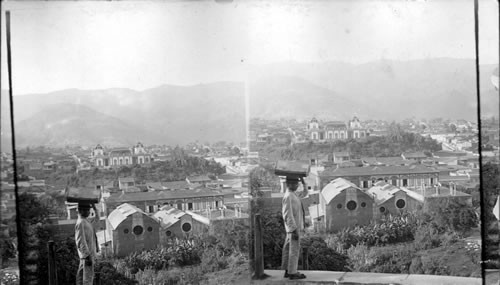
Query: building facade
(335,130)
(401,176)
(345,205)
(120,156)
(132,230)
(194,200)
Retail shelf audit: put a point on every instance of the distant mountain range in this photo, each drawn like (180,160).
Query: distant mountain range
(168,114)
(386,89)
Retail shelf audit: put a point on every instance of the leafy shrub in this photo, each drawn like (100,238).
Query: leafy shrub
(397,260)
(394,229)
(185,252)
(427,237)
(321,257)
(212,260)
(106,274)
(359,258)
(155,259)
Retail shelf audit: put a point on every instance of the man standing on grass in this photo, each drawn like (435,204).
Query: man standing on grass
(86,243)
(294,218)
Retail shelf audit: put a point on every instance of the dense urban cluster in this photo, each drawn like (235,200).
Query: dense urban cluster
(362,198)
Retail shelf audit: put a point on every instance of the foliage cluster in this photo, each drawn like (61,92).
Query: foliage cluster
(394,229)
(395,143)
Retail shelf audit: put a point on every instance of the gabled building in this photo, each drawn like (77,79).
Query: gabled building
(132,230)
(366,177)
(345,205)
(386,161)
(120,156)
(335,130)
(390,199)
(196,200)
(202,180)
(174,223)
(416,156)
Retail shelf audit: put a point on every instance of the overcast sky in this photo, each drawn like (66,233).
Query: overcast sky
(140,45)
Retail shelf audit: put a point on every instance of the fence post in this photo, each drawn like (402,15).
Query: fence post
(52,263)
(305,258)
(258,249)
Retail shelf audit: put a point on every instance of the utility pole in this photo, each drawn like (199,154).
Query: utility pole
(20,241)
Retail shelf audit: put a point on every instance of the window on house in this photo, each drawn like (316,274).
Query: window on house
(405,182)
(351,205)
(190,206)
(138,230)
(395,182)
(186,227)
(365,184)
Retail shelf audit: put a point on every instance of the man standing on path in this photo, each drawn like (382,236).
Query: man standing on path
(86,243)
(293,216)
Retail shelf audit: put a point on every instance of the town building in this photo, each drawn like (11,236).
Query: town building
(174,224)
(345,205)
(335,130)
(392,200)
(132,230)
(120,156)
(366,177)
(386,161)
(196,200)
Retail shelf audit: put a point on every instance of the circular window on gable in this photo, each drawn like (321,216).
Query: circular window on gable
(125,231)
(382,209)
(339,206)
(138,230)
(400,203)
(186,227)
(150,229)
(168,233)
(351,205)
(363,204)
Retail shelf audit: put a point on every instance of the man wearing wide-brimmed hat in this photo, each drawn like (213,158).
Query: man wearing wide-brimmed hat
(86,243)
(294,218)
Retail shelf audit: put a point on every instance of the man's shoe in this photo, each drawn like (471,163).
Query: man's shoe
(295,276)
(286,274)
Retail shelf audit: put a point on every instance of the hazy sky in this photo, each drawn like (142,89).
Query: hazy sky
(140,45)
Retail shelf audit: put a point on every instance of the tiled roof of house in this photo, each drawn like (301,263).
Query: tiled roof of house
(377,170)
(417,154)
(392,160)
(382,191)
(120,151)
(126,179)
(199,178)
(168,216)
(448,153)
(161,195)
(334,188)
(121,213)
